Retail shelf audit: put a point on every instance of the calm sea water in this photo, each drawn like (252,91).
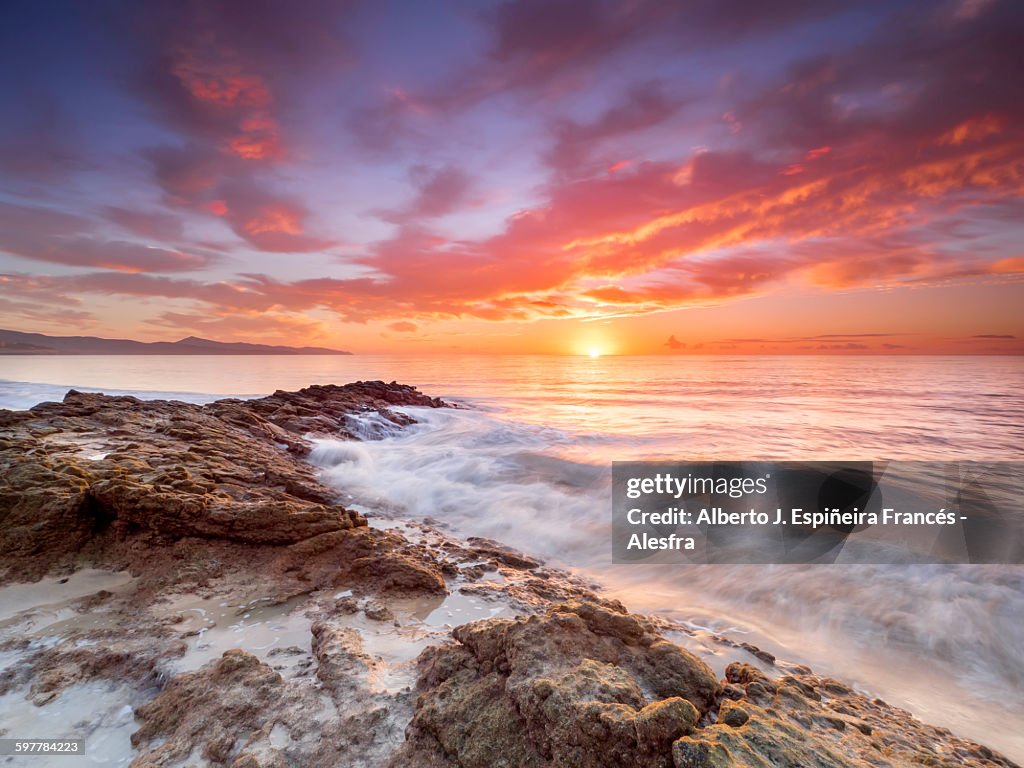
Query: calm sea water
(529,465)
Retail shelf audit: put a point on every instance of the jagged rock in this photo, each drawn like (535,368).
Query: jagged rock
(322,409)
(390,572)
(569,687)
(733,714)
(83,476)
(496,551)
(662,722)
(339,654)
(211,707)
(378,611)
(587,684)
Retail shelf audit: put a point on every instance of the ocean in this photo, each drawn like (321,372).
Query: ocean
(528,464)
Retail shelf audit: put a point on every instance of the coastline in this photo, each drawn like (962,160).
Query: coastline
(215,506)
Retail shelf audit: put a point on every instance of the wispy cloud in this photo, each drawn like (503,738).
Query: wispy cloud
(531,161)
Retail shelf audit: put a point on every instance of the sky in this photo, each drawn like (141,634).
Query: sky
(525,176)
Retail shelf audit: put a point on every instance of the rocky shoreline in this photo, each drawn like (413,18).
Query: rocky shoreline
(258,622)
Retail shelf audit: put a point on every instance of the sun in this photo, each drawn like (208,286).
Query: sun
(594,352)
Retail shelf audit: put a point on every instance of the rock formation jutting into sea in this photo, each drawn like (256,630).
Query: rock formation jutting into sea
(194,568)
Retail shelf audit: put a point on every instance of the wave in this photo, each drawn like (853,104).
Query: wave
(929,636)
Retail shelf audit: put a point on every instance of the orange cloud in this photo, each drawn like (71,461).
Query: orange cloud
(973,130)
(255,146)
(269,223)
(278,218)
(1008,266)
(216,79)
(219,83)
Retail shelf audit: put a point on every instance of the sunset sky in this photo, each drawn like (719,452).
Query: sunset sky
(529,176)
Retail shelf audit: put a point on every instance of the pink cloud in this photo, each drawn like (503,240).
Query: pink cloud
(271,224)
(644,106)
(439,191)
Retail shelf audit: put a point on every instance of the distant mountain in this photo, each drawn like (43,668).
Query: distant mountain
(18,343)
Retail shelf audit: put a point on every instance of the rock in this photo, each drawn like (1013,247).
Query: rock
(97,654)
(377,611)
(347,605)
(738,672)
(587,684)
(161,471)
(219,745)
(759,653)
(270,758)
(850,731)
(662,722)
(687,753)
(733,714)
(211,707)
(733,691)
(339,655)
(568,687)
(513,558)
(399,573)
(321,409)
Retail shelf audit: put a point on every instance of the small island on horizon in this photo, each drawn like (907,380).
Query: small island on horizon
(21,343)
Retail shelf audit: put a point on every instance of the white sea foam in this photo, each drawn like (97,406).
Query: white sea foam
(478,475)
(927,637)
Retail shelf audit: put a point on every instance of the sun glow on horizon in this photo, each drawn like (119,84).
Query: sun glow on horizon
(594,352)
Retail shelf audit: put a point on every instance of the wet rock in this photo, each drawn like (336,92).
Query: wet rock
(210,707)
(687,753)
(94,655)
(733,714)
(662,722)
(761,654)
(493,550)
(785,726)
(733,691)
(747,674)
(94,476)
(321,409)
(587,684)
(571,687)
(399,573)
(347,605)
(339,655)
(270,758)
(219,745)
(378,611)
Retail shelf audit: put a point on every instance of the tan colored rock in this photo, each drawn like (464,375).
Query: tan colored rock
(398,573)
(662,722)
(163,471)
(211,707)
(570,687)
(588,685)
